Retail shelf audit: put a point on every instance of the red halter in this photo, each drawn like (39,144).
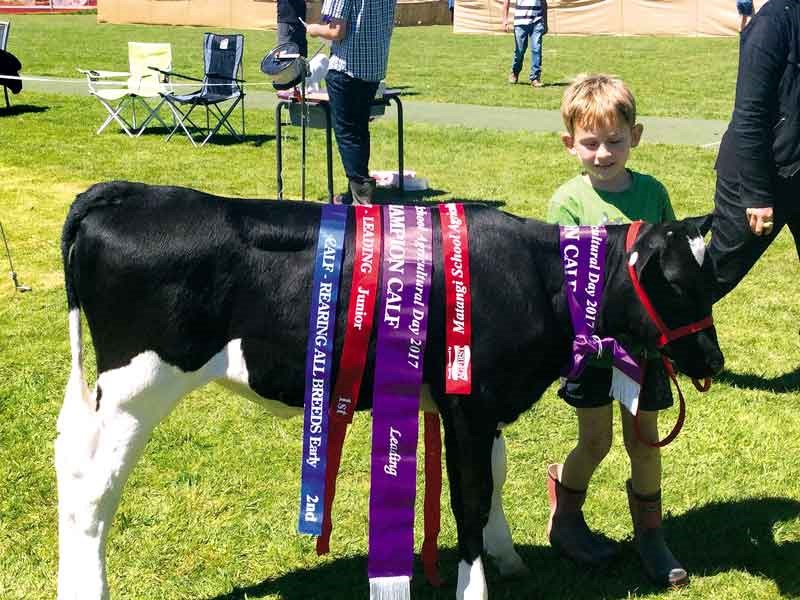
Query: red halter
(667,336)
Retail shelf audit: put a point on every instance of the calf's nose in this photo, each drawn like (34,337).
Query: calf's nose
(716,364)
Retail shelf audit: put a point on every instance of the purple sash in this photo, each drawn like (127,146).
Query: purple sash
(321,328)
(402,331)
(583,252)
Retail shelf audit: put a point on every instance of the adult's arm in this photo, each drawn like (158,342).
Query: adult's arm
(544,15)
(505,14)
(762,62)
(334,30)
(334,20)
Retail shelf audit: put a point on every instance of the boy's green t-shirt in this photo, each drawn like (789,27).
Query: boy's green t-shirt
(576,202)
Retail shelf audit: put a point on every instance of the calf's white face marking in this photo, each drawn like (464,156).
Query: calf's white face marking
(698,248)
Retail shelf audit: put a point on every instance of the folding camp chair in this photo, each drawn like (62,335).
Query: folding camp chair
(118,90)
(5,28)
(222,76)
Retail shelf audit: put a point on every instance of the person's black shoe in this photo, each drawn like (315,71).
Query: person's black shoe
(345,199)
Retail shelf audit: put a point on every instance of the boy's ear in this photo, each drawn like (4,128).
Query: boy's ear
(568,141)
(636,134)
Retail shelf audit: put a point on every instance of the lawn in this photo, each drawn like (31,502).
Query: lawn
(210,511)
(680,77)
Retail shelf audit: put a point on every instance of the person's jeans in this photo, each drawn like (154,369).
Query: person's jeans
(522,33)
(350,100)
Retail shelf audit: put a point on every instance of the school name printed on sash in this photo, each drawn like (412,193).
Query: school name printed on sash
(571,258)
(457,266)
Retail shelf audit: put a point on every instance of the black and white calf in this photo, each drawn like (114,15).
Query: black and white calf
(181,288)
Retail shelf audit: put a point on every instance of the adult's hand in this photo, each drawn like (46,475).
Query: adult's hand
(505,24)
(760,220)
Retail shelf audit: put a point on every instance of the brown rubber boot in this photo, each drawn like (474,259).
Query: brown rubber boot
(659,563)
(567,530)
(362,191)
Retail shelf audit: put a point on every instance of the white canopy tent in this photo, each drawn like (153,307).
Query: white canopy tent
(613,17)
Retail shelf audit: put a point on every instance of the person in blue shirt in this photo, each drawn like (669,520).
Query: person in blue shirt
(530,25)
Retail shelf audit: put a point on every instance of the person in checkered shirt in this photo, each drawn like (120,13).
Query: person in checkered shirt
(360,32)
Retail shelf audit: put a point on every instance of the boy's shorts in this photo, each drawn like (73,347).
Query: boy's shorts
(592,389)
(744,7)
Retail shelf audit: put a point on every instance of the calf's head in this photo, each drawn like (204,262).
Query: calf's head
(670,262)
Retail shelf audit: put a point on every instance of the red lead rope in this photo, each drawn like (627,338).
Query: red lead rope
(667,335)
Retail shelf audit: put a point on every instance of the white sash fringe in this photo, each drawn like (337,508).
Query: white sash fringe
(390,588)
(625,389)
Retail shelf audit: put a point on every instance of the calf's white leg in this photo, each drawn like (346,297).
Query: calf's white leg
(496,534)
(99,440)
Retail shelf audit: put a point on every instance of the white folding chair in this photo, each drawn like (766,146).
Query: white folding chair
(119,90)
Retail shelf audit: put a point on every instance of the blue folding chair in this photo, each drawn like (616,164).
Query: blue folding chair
(221,83)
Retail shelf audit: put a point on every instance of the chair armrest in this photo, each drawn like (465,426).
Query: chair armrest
(94,75)
(174,74)
(219,76)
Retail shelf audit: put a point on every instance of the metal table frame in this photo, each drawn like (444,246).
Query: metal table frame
(312,103)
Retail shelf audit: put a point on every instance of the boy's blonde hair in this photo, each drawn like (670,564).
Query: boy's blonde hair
(593,101)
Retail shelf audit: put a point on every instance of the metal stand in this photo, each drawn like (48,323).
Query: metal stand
(17,286)
(303,123)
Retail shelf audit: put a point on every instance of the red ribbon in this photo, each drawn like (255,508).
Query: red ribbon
(458,299)
(360,317)
(433,499)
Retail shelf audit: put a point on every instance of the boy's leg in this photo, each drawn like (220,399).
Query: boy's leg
(520,45)
(594,442)
(536,51)
(644,487)
(567,529)
(645,460)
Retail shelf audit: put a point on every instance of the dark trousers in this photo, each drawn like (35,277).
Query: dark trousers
(734,249)
(293,32)
(350,100)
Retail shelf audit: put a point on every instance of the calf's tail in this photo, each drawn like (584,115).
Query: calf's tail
(77,392)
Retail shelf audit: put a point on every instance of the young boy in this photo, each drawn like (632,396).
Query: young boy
(599,113)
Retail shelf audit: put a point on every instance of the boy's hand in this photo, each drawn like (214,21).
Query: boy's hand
(760,220)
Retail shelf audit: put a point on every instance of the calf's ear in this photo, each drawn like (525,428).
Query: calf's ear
(703,224)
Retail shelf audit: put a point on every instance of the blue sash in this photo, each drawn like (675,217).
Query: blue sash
(321,329)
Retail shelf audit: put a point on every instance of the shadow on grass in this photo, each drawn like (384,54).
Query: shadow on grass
(21,109)
(715,538)
(786,383)
(423,198)
(220,139)
(407,90)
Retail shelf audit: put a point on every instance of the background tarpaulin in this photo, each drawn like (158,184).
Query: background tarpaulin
(613,17)
(245,14)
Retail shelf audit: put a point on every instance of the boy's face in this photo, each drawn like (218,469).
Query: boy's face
(604,151)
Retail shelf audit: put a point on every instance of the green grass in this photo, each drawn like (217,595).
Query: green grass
(210,511)
(678,77)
